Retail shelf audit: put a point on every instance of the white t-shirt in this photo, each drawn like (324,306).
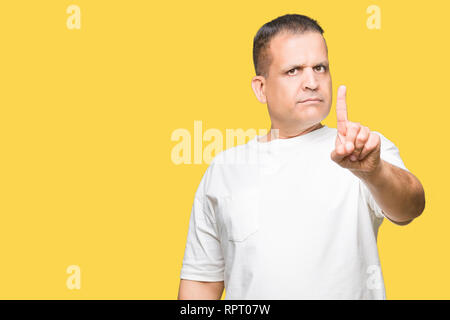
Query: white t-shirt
(281,220)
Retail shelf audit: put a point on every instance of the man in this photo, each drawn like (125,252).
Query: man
(301,222)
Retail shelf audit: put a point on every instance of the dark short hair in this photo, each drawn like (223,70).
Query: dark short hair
(292,23)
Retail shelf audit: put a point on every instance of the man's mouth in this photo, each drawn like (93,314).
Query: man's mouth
(310,100)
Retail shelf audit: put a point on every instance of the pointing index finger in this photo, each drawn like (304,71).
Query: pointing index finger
(341,110)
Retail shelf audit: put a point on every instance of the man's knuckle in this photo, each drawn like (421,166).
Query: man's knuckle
(354,125)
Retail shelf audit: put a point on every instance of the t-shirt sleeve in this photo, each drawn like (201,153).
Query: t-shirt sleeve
(203,258)
(389,153)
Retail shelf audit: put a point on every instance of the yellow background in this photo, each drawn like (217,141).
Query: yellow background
(86,176)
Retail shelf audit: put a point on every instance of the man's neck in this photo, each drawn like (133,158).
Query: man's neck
(277,133)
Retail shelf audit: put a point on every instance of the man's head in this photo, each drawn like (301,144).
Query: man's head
(291,64)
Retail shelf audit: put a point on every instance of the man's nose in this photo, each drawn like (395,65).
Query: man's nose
(309,79)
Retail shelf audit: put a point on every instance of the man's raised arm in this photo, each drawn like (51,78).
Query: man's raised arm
(398,193)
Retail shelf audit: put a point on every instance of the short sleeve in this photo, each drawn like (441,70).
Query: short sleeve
(203,258)
(389,153)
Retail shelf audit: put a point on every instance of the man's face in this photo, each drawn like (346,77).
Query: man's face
(299,71)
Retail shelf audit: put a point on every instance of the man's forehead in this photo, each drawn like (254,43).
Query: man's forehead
(306,48)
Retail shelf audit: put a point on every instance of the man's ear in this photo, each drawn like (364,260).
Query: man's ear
(259,88)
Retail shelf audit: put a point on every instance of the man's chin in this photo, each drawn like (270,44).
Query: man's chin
(310,114)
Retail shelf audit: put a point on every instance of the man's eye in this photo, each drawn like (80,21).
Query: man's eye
(289,72)
(321,68)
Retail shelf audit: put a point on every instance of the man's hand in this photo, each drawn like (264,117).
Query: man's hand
(398,193)
(357,149)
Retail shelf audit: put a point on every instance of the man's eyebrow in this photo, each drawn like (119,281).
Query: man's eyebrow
(294,66)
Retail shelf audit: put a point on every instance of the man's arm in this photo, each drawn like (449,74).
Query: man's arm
(398,192)
(200,290)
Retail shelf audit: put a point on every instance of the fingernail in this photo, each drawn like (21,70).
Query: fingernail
(353,157)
